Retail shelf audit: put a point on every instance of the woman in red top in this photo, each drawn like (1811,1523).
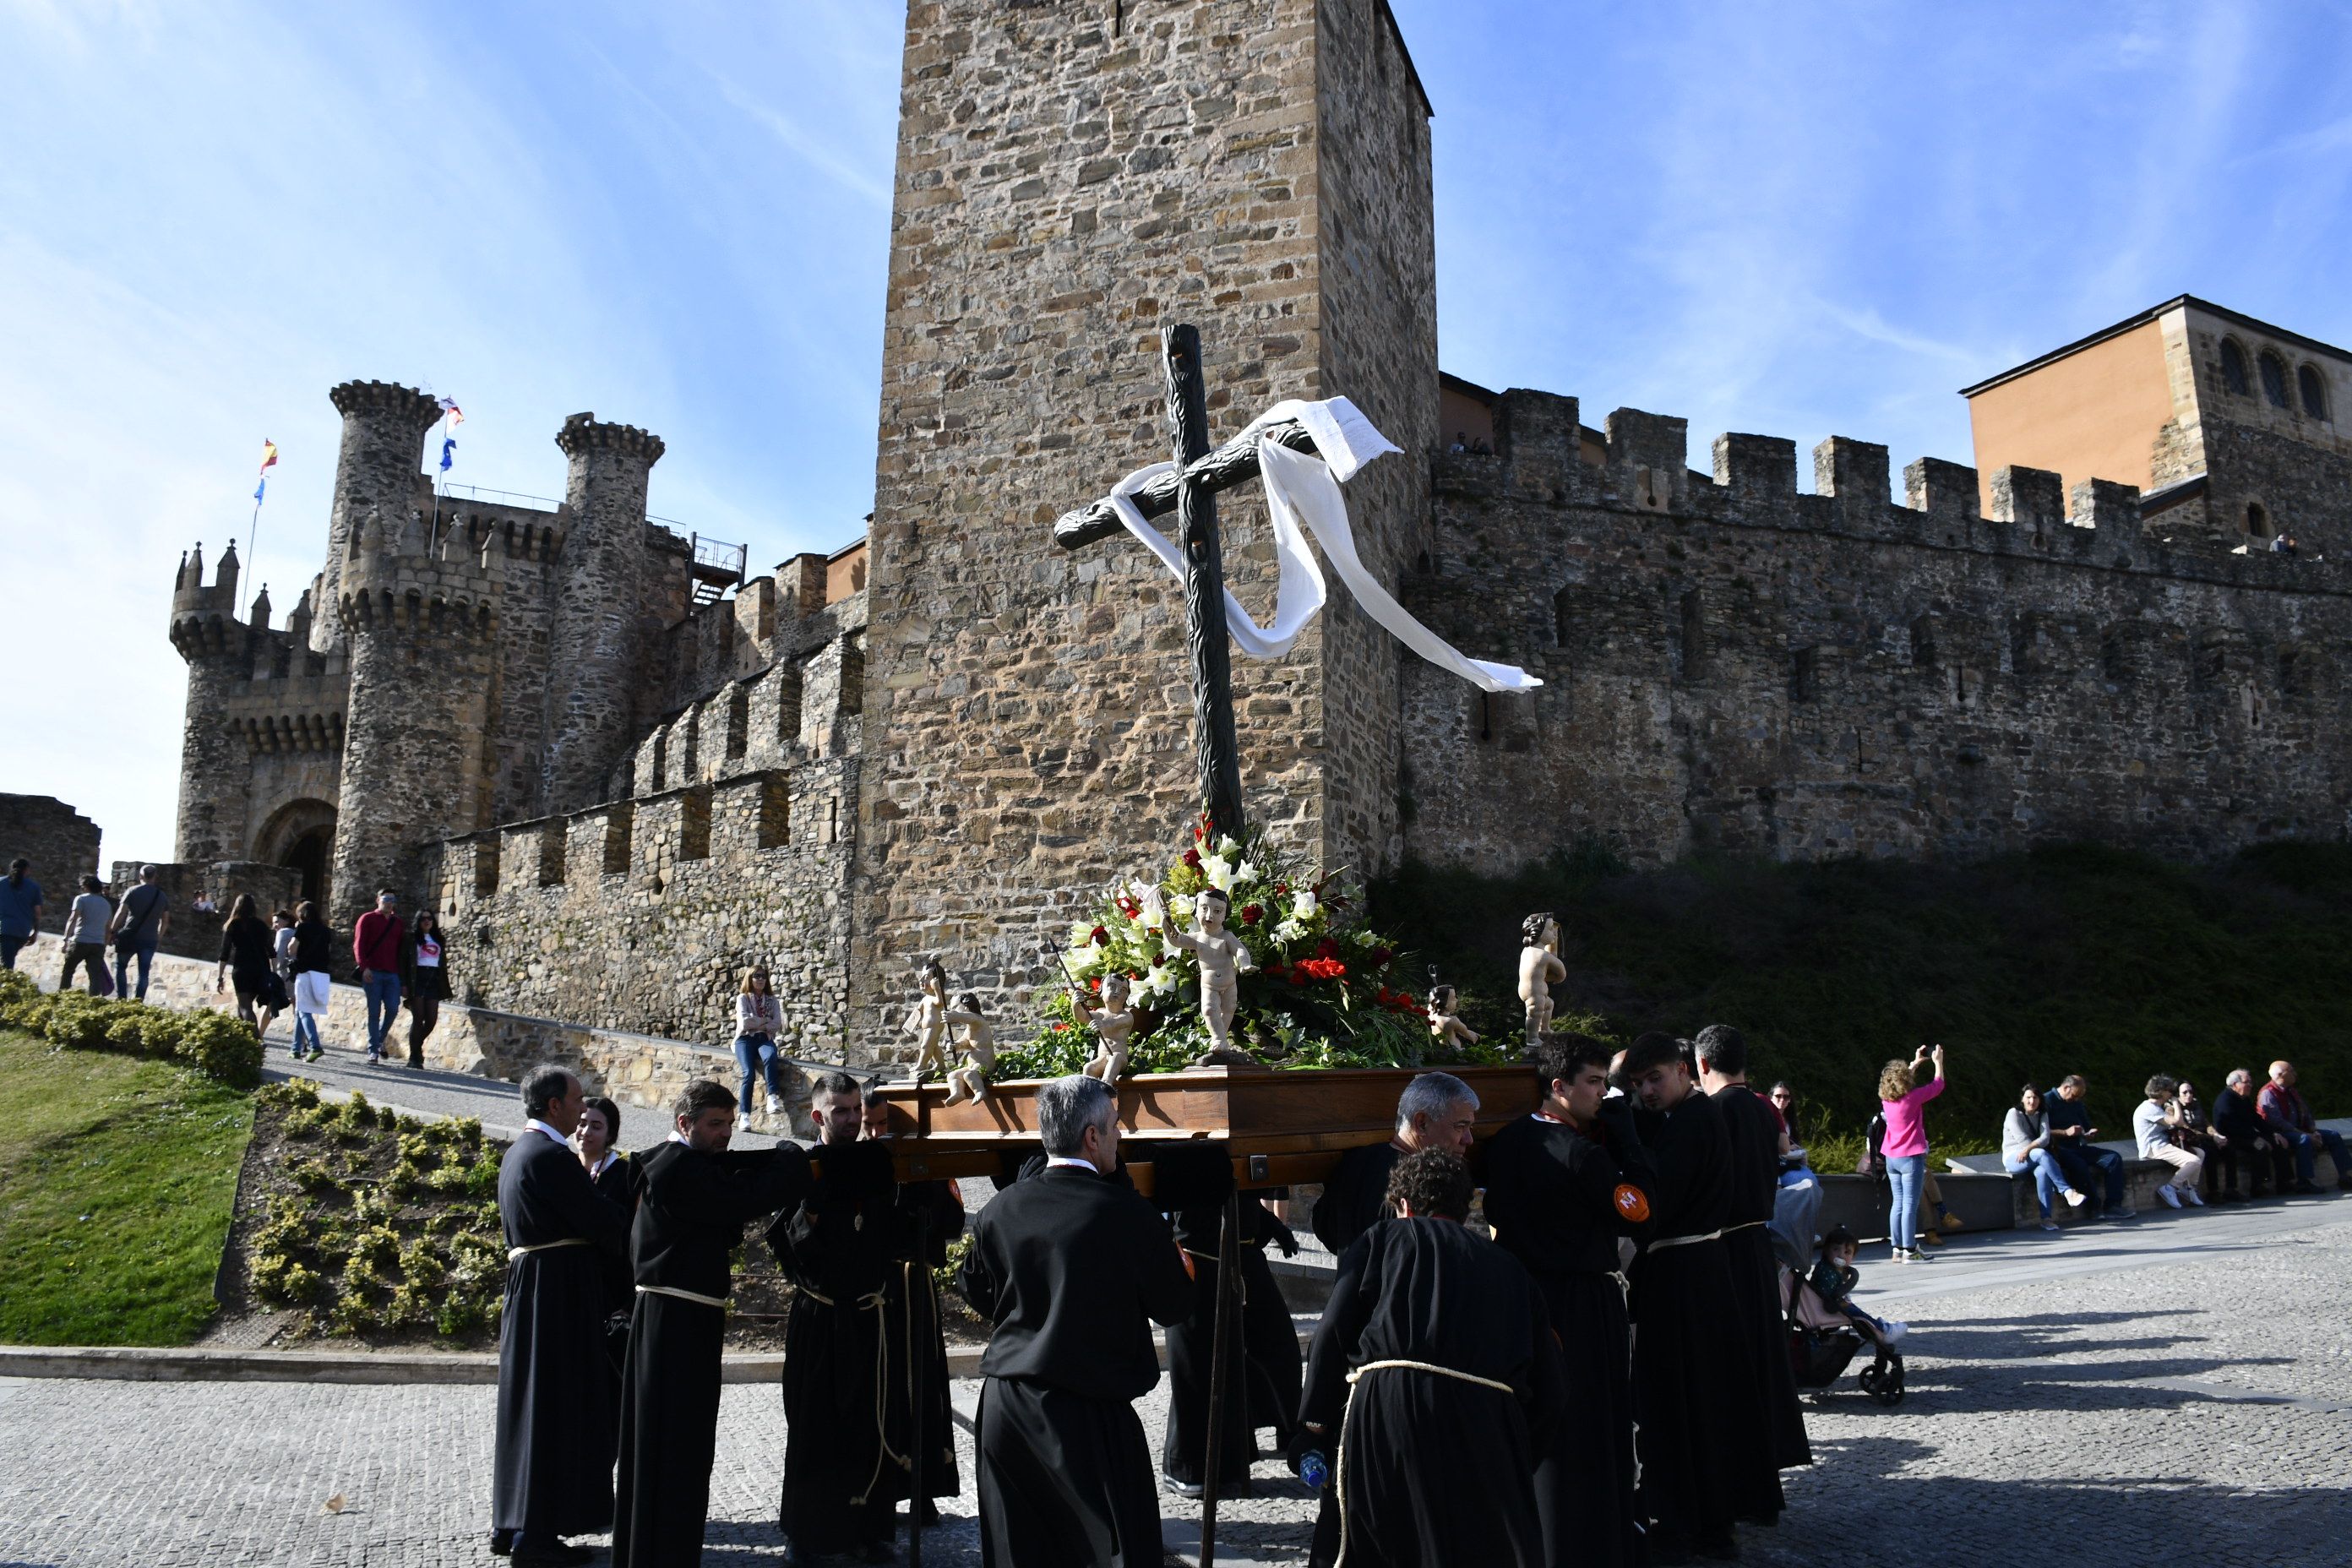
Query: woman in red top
(1903,1099)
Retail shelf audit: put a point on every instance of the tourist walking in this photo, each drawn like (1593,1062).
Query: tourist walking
(139,922)
(247,949)
(1903,1100)
(85,943)
(423,981)
(2152,1125)
(312,952)
(375,949)
(759,1020)
(20,911)
(2025,1146)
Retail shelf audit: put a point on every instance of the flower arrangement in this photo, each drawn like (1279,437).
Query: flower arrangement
(1322,992)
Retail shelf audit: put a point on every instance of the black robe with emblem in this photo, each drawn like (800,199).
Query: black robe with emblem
(618,1182)
(1694,1382)
(1552,1197)
(554,1454)
(849,1250)
(1268,1351)
(1754,1129)
(1072,1270)
(1432,1471)
(1356,1197)
(691,1211)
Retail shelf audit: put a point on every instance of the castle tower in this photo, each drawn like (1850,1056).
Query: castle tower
(601,640)
(1069,180)
(214,803)
(419,610)
(377,478)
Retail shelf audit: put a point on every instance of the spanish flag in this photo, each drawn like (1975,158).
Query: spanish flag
(268,454)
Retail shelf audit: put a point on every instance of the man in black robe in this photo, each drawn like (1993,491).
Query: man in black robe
(1433,1385)
(1563,1184)
(1268,1354)
(553,1463)
(850,1252)
(1693,1385)
(694,1199)
(1437,1110)
(1758,1139)
(1072,1269)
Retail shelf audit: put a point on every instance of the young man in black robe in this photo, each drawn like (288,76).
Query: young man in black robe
(694,1199)
(554,1449)
(1072,1269)
(1757,1139)
(850,1252)
(1268,1385)
(1563,1184)
(1433,1385)
(1694,1386)
(1437,1110)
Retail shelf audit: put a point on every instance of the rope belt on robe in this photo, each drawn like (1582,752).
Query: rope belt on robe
(872,1302)
(1663,1242)
(516,1254)
(695,1295)
(1339,1453)
(1302,496)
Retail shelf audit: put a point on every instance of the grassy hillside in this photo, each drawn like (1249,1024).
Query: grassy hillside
(116,1177)
(2072,959)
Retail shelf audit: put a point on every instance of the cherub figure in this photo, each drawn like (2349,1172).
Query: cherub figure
(970,1081)
(1113,1024)
(926,1020)
(1540,966)
(1446,1029)
(1223,957)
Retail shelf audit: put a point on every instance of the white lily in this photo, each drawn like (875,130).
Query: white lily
(1302,905)
(1218,871)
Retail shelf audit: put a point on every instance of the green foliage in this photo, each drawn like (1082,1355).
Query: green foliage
(944,1275)
(2074,958)
(215,1044)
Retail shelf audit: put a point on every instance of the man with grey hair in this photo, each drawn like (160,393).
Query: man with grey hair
(1071,1268)
(137,926)
(553,1450)
(1437,1110)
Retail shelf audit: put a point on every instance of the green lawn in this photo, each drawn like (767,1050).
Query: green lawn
(117,1180)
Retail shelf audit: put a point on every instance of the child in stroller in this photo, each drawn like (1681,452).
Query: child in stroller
(1826,1329)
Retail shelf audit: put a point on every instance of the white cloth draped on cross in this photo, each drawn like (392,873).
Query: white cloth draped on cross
(1302,493)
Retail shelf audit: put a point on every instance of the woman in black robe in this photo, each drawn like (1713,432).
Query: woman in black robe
(1434,1383)
(1268,1351)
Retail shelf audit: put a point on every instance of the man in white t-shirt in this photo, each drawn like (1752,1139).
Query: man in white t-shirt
(2154,1130)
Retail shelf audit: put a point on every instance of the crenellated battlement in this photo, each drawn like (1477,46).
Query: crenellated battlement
(386,402)
(584,434)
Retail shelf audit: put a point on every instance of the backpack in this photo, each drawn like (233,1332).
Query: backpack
(1874,1152)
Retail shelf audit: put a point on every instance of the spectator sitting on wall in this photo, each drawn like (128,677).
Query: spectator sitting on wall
(2270,1162)
(2283,1112)
(2192,1129)
(140,921)
(2084,1163)
(2152,1126)
(1795,1165)
(1461,443)
(2025,1146)
(377,939)
(1482,448)
(86,938)
(203,904)
(20,911)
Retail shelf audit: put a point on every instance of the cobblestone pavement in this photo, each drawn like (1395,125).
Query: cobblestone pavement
(2178,1393)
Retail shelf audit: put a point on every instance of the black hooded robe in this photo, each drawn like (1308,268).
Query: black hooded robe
(553,1470)
(1552,1198)
(1271,1364)
(1431,1470)
(849,1251)
(1694,1382)
(1072,1270)
(1754,1133)
(691,1211)
(1355,1196)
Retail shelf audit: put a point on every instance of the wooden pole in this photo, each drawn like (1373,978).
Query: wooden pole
(1219,754)
(1221,1353)
(919,1339)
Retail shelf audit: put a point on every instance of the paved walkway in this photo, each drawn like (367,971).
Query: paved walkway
(2175,1390)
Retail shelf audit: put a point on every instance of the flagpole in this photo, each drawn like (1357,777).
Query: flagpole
(253,542)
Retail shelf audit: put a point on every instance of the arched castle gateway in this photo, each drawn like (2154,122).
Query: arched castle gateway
(940,739)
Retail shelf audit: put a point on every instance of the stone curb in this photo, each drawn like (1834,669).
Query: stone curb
(142,1364)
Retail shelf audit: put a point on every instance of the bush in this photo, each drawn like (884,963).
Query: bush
(217,1045)
(221,1047)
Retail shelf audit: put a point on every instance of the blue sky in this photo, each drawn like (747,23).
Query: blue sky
(1790,219)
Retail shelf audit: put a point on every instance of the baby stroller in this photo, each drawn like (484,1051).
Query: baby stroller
(1822,1343)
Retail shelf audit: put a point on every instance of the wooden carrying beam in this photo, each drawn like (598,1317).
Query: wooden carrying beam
(1234,463)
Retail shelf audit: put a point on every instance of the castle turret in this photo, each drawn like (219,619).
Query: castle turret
(218,649)
(377,479)
(599,641)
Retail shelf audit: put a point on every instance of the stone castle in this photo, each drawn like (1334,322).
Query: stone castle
(625,772)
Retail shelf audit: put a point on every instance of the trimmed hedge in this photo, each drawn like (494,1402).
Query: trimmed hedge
(218,1045)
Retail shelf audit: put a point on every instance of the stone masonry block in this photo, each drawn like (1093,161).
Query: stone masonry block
(1759,465)
(1855,472)
(1946,491)
(2033,499)
(1649,460)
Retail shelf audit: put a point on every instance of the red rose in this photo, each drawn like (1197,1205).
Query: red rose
(1099,936)
(1095,983)
(1326,948)
(1299,976)
(1252,913)
(1382,957)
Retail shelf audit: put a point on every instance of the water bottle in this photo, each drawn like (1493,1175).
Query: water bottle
(1314,1469)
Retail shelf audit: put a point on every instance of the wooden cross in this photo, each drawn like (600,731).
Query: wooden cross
(1191,493)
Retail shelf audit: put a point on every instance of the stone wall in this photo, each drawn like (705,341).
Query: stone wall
(61,844)
(1733,665)
(192,935)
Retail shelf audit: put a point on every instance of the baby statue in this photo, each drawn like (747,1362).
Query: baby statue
(1223,958)
(926,1020)
(1112,1023)
(1446,1029)
(970,1081)
(1540,966)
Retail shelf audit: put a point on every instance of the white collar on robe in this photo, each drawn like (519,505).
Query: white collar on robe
(534,1123)
(1054,1160)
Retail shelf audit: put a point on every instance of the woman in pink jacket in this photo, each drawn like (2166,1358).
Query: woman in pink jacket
(1904,1100)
